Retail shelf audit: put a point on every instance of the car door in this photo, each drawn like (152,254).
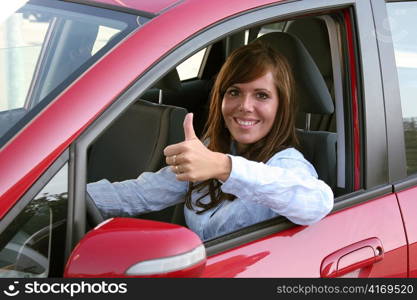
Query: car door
(364,235)
(400,61)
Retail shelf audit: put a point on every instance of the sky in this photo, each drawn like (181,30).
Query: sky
(8,7)
(403,24)
(402,21)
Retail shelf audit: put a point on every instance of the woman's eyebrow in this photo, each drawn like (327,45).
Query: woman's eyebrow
(262,90)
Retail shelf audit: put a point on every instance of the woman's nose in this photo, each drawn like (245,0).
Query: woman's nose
(246,104)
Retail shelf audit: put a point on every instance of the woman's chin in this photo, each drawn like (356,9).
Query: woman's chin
(243,143)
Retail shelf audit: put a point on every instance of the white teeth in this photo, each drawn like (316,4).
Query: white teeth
(246,123)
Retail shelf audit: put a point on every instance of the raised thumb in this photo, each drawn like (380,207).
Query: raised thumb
(188,127)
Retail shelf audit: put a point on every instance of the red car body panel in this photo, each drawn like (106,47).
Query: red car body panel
(40,143)
(300,256)
(408,204)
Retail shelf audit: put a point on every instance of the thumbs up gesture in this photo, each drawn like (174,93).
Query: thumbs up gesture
(189,132)
(192,161)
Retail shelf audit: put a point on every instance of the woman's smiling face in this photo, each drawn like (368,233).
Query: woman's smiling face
(249,109)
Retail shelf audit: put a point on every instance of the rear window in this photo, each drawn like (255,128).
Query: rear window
(44,46)
(403,23)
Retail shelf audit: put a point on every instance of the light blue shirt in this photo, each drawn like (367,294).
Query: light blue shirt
(286,185)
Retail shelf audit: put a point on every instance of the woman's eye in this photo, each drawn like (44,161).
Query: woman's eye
(233,93)
(262,96)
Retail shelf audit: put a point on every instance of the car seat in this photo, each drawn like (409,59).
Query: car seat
(313,33)
(134,143)
(312,96)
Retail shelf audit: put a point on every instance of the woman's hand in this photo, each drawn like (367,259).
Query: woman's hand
(192,161)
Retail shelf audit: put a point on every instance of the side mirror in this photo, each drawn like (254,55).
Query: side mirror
(127,247)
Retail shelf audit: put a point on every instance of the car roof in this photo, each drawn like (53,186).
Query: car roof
(153,7)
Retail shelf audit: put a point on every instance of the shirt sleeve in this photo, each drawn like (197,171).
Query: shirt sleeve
(149,192)
(287,184)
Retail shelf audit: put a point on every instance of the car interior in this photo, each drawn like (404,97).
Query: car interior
(135,141)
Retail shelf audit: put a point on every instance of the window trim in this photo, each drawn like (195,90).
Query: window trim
(335,50)
(373,127)
(203,39)
(406,183)
(34,190)
(204,62)
(397,165)
(123,9)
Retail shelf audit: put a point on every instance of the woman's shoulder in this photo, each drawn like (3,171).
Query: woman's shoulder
(291,158)
(291,152)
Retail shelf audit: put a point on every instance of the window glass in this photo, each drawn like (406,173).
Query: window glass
(20,45)
(37,235)
(403,23)
(271,28)
(46,45)
(191,66)
(104,35)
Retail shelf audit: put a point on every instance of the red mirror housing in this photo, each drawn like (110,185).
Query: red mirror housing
(127,247)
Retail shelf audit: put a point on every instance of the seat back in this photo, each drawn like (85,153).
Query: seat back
(134,143)
(319,148)
(312,96)
(313,33)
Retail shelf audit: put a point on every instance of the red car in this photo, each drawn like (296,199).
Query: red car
(95,89)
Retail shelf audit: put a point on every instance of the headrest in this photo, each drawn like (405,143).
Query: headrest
(311,92)
(170,82)
(312,32)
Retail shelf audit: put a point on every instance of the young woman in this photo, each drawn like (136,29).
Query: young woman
(246,171)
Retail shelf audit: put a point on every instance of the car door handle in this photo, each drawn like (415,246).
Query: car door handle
(352,257)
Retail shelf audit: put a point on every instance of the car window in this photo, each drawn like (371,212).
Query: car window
(21,45)
(404,35)
(44,46)
(190,67)
(271,28)
(140,126)
(26,244)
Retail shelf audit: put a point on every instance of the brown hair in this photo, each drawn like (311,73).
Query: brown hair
(246,64)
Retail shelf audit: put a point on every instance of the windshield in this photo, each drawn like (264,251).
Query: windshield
(44,46)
